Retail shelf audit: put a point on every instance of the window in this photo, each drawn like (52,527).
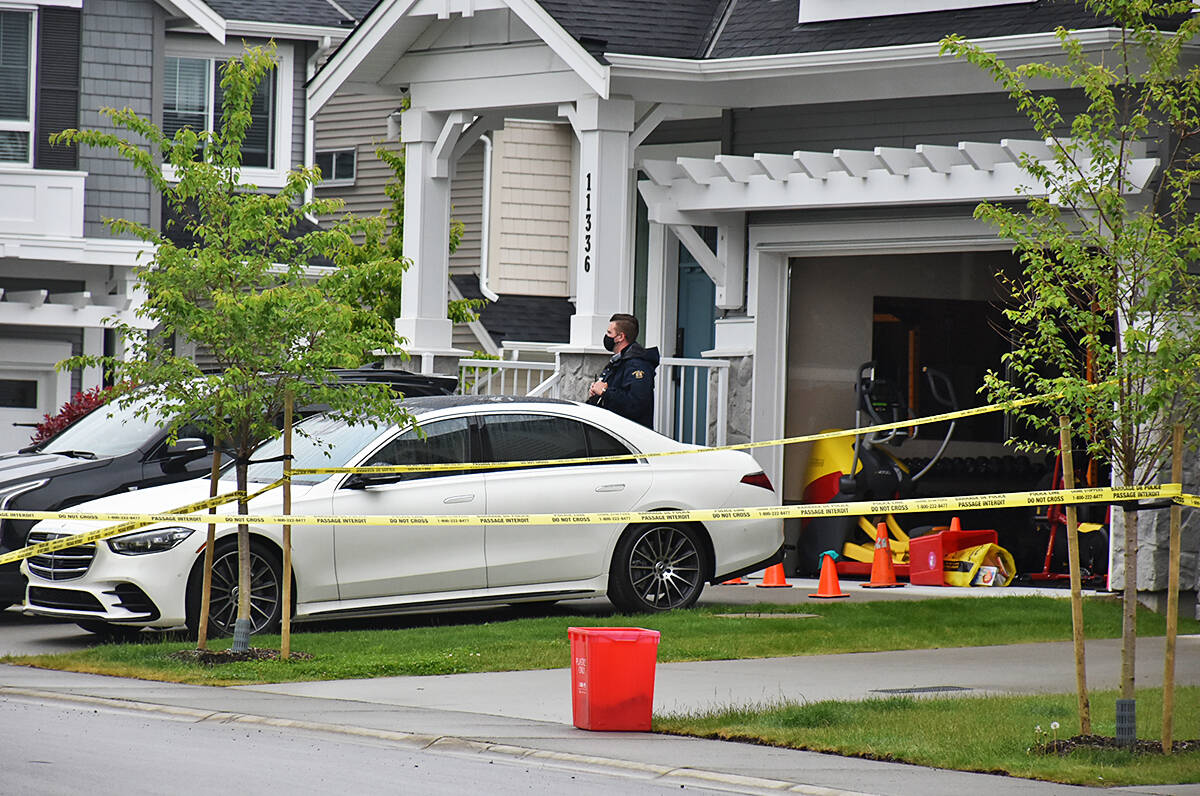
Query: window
(513,438)
(192,98)
(16,86)
(18,394)
(445,442)
(192,95)
(337,166)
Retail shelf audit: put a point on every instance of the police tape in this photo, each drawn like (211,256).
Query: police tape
(1189,500)
(388,469)
(851,509)
(128,523)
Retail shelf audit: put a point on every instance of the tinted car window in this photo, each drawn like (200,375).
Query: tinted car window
(601,443)
(445,442)
(325,442)
(534,437)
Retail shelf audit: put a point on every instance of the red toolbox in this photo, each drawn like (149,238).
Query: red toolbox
(926,553)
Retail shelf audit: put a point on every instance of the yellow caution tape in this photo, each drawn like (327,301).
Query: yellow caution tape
(1188,500)
(852,432)
(132,522)
(994,501)
(128,523)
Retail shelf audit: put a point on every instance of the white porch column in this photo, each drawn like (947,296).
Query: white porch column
(423,318)
(767,299)
(603,270)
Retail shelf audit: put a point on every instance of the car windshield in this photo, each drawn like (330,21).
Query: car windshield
(108,431)
(325,442)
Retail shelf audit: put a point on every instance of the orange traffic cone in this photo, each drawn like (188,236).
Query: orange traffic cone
(955,524)
(828,587)
(738,581)
(774,578)
(883,574)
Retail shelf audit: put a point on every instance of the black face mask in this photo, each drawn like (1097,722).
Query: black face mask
(609,343)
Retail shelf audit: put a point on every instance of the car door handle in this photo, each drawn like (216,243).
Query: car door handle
(459,499)
(610,487)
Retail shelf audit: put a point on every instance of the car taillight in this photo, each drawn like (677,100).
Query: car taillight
(758,479)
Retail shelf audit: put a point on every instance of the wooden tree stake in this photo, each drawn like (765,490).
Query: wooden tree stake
(1068,473)
(1168,717)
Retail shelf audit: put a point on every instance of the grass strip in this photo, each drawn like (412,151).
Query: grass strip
(991,734)
(453,645)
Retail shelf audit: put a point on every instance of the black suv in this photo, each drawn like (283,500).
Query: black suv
(113,450)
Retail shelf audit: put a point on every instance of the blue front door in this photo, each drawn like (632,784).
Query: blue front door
(696,315)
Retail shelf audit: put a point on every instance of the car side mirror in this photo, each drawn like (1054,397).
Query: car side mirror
(187,448)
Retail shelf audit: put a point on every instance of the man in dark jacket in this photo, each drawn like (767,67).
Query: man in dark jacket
(626,385)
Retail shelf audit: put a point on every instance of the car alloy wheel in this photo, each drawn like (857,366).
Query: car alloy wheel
(657,568)
(265,592)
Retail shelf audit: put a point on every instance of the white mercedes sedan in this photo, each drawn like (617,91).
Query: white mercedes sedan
(153,577)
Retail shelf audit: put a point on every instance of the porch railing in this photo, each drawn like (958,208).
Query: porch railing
(504,377)
(691,395)
(692,400)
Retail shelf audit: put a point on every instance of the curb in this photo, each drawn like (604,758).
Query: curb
(448,744)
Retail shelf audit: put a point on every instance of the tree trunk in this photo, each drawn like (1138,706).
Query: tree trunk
(241,632)
(1129,617)
(209,544)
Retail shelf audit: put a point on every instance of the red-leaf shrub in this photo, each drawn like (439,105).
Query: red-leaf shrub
(79,405)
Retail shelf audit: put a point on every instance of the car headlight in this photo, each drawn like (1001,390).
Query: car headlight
(155,541)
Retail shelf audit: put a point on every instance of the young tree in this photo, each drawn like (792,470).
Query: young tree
(1105,312)
(241,287)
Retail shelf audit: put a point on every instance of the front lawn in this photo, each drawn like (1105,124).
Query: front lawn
(992,734)
(541,642)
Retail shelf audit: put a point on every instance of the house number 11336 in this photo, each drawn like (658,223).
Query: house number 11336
(587,222)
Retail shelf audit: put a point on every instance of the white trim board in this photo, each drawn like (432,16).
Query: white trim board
(827,10)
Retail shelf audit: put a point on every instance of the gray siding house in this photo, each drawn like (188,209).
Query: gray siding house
(62,272)
(783,187)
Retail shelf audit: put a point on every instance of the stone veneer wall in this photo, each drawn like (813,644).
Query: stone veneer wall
(579,370)
(1153,547)
(739,401)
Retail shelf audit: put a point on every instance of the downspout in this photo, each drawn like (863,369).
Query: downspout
(310,124)
(485,221)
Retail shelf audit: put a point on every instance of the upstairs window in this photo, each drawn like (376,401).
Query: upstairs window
(192,98)
(16,86)
(337,166)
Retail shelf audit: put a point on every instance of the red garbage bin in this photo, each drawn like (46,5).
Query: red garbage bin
(612,677)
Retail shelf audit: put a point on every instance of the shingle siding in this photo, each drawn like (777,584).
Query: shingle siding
(118,40)
(865,125)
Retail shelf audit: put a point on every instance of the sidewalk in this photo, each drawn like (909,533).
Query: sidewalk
(527,714)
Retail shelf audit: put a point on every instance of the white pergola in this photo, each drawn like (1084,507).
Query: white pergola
(749,266)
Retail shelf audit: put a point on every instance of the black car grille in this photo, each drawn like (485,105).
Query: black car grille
(134,600)
(63,599)
(66,564)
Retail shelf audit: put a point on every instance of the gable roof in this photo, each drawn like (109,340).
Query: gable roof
(290,12)
(667,28)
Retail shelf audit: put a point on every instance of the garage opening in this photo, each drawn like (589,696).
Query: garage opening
(907,312)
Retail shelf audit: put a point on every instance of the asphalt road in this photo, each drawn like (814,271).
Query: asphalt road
(53,747)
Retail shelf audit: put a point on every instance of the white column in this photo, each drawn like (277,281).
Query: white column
(767,299)
(604,223)
(423,320)
(662,288)
(93,344)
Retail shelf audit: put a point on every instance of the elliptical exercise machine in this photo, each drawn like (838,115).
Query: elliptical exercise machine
(845,470)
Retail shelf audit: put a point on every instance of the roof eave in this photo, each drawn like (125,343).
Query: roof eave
(1033,45)
(199,12)
(371,32)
